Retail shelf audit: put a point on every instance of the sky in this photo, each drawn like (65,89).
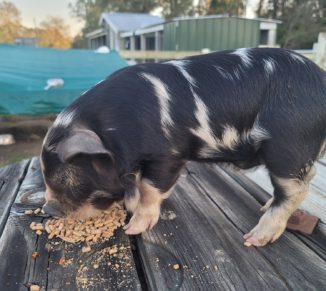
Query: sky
(251,7)
(35,11)
(38,10)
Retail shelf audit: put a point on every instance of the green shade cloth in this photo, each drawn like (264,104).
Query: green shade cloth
(24,72)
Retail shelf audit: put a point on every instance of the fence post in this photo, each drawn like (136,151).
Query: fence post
(320,48)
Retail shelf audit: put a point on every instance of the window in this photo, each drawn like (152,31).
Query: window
(264,36)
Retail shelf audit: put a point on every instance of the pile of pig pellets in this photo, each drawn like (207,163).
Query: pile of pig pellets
(92,230)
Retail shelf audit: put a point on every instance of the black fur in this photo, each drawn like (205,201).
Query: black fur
(289,103)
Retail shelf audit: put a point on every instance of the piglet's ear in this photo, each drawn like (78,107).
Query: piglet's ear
(81,141)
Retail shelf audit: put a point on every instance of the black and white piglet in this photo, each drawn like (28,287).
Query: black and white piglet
(130,135)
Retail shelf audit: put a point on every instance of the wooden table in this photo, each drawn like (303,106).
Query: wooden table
(197,244)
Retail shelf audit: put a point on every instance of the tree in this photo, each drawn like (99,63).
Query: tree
(89,11)
(10,22)
(79,41)
(141,6)
(175,8)
(213,7)
(53,33)
(301,20)
(230,7)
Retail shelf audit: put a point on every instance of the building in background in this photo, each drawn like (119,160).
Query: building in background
(134,31)
(112,25)
(26,41)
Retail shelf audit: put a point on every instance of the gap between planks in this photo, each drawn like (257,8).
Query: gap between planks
(10,188)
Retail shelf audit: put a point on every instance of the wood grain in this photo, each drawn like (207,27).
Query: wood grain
(289,255)
(315,241)
(213,212)
(19,269)
(197,244)
(10,181)
(314,203)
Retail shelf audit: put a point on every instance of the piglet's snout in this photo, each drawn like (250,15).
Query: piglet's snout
(52,207)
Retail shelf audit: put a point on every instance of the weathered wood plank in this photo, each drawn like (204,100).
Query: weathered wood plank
(315,241)
(98,270)
(289,256)
(19,269)
(31,191)
(206,240)
(315,202)
(10,180)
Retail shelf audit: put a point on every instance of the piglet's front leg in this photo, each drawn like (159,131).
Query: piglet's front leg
(143,219)
(147,212)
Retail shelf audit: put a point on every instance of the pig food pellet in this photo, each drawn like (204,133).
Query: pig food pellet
(37,211)
(90,231)
(86,249)
(247,244)
(34,288)
(176,267)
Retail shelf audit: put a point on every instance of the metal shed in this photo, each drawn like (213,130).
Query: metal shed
(215,33)
(115,23)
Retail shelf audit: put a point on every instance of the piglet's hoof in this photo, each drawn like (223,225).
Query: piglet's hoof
(269,229)
(141,222)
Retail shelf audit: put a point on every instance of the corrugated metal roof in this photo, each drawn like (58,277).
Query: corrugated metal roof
(123,21)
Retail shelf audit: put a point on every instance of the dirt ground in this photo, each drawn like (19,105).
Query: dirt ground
(28,133)
(10,154)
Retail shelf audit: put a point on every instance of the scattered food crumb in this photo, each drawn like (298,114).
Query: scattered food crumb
(62,262)
(86,249)
(113,250)
(34,288)
(35,255)
(247,244)
(176,266)
(168,215)
(28,212)
(96,266)
(37,211)
(36,226)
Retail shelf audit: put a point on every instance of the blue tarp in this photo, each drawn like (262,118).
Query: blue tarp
(24,72)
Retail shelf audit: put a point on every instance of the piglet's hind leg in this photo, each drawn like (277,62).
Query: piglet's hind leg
(272,224)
